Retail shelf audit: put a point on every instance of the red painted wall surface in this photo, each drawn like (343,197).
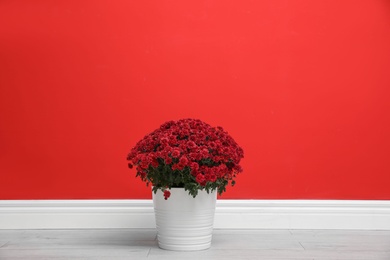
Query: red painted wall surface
(302,86)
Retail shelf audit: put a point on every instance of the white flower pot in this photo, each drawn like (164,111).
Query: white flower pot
(184,223)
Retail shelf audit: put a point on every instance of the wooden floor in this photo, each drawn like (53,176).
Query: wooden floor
(227,244)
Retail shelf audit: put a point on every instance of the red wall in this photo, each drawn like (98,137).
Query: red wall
(303,87)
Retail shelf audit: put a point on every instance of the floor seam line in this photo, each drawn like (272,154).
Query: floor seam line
(302,245)
(5,244)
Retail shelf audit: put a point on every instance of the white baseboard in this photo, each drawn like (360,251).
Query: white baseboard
(230,214)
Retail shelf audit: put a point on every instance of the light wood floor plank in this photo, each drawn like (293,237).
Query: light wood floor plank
(117,244)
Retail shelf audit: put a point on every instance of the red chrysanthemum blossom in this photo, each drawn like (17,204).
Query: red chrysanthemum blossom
(167,194)
(213,177)
(191,145)
(176,153)
(200,178)
(183,160)
(168,160)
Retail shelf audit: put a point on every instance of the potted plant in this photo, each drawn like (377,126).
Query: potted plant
(187,162)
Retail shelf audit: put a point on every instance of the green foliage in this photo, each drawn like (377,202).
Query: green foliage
(163,177)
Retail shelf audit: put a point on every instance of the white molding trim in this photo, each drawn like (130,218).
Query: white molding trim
(230,214)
